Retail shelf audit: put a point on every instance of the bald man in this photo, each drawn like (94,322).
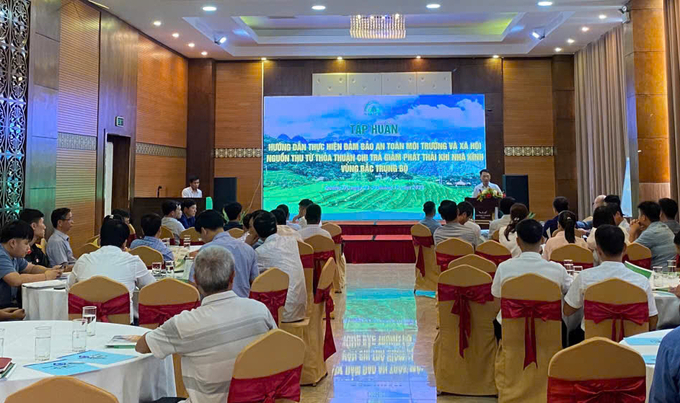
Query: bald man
(598,202)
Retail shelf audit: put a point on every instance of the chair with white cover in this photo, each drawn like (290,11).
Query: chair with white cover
(336,233)
(236,232)
(464,363)
(278,380)
(639,255)
(85,249)
(191,233)
(61,389)
(307,258)
(493,251)
(148,255)
(161,300)
(597,370)
(579,255)
(112,297)
(477,262)
(531,309)
(451,249)
(426,269)
(612,303)
(271,288)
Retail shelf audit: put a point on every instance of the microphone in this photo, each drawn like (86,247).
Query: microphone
(158,191)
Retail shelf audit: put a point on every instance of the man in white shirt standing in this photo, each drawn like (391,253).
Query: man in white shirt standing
(210,337)
(113,262)
(282,252)
(193,191)
(611,246)
(485,177)
(313,219)
(172,212)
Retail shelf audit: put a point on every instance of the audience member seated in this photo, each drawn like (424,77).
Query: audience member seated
(193,191)
(251,237)
(151,226)
(649,231)
(36,219)
(285,209)
(112,261)
(611,246)
(619,219)
(302,207)
(172,212)
(429,208)
(282,252)
(124,214)
(567,234)
(508,234)
(665,387)
(669,209)
(598,202)
(210,337)
(188,218)
(602,216)
(210,224)
(560,204)
(453,229)
(14,269)
(504,206)
(7,314)
(313,219)
(282,228)
(58,246)
(233,213)
(465,213)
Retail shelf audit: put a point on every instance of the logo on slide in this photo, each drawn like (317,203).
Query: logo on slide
(373,109)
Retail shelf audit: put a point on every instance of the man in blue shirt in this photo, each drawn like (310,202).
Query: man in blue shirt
(666,384)
(188,218)
(58,246)
(210,224)
(429,208)
(560,204)
(151,226)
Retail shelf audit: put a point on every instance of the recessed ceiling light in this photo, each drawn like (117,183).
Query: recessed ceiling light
(264,59)
(495,56)
(204,53)
(319,7)
(570,41)
(536,35)
(339,57)
(433,6)
(191,45)
(175,35)
(585,29)
(418,57)
(209,8)
(222,40)
(157,23)
(602,16)
(545,3)
(396,16)
(558,50)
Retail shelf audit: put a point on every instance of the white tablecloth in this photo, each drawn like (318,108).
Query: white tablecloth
(668,306)
(648,350)
(144,378)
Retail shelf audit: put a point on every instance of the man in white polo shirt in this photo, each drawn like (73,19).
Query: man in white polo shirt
(193,191)
(611,246)
(210,337)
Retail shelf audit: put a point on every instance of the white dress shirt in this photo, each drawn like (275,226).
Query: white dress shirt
(282,252)
(114,263)
(558,241)
(311,230)
(174,226)
(497,224)
(285,230)
(478,230)
(480,188)
(208,339)
(189,193)
(510,242)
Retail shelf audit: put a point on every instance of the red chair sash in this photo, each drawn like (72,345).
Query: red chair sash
(337,239)
(637,313)
(115,306)
(621,390)
(320,259)
(272,299)
(160,314)
(461,297)
(644,263)
(443,260)
(131,238)
(496,259)
(324,295)
(530,311)
(284,385)
(307,260)
(422,242)
(584,265)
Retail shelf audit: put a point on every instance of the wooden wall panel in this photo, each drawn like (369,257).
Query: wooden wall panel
(249,174)
(527,102)
(152,171)
(76,174)
(201,122)
(238,105)
(162,81)
(78,70)
(541,171)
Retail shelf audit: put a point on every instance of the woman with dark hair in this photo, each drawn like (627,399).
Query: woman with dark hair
(508,238)
(565,234)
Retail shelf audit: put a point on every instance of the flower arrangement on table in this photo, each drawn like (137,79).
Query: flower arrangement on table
(490,193)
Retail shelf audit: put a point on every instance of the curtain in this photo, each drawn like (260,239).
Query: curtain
(672,24)
(601,140)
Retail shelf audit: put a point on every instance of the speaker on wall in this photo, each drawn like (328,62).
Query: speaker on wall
(517,186)
(225,192)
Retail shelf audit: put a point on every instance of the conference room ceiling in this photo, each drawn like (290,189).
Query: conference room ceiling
(292,29)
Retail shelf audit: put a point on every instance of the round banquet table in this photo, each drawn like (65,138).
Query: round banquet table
(647,344)
(668,306)
(144,378)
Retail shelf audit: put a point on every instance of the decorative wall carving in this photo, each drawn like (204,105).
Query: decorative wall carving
(529,151)
(160,151)
(14,29)
(237,153)
(77,142)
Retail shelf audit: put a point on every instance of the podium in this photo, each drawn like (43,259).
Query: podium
(485,210)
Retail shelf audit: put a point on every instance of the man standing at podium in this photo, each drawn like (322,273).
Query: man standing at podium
(485,177)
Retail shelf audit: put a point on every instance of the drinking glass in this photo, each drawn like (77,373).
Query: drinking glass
(2,342)
(166,242)
(569,265)
(79,335)
(170,266)
(156,268)
(578,269)
(90,315)
(658,276)
(43,343)
(187,242)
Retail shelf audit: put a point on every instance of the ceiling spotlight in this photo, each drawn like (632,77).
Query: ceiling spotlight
(396,15)
(339,57)
(319,7)
(204,53)
(209,8)
(570,41)
(545,3)
(221,40)
(175,35)
(191,45)
(495,56)
(157,23)
(538,33)
(558,50)
(602,16)
(418,57)
(433,6)
(585,29)
(264,59)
